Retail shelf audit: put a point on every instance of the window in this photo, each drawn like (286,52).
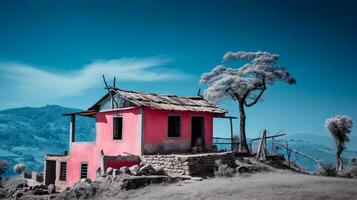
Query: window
(117,128)
(174,129)
(63,171)
(84,170)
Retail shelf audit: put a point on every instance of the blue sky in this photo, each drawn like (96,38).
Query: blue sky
(54,52)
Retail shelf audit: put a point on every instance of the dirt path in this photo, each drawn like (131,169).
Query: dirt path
(277,186)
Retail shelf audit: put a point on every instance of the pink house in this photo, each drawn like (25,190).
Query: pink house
(130,124)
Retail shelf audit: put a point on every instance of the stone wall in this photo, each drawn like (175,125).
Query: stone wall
(190,164)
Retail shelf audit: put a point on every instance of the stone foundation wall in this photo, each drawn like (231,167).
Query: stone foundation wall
(192,164)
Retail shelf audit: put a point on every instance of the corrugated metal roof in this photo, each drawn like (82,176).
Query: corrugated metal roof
(170,102)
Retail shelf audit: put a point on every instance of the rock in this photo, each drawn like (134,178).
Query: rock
(224,170)
(242,169)
(51,189)
(109,170)
(134,170)
(83,190)
(218,162)
(39,192)
(142,164)
(21,185)
(17,194)
(146,169)
(35,187)
(116,172)
(86,180)
(10,192)
(124,170)
(159,170)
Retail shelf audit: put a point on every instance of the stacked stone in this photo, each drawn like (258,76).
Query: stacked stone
(171,164)
(193,165)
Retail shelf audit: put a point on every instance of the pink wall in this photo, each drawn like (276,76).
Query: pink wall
(155,138)
(156,130)
(89,152)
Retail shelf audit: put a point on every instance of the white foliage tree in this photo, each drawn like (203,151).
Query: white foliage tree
(339,127)
(19,168)
(246,84)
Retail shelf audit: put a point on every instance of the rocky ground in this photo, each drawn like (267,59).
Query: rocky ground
(248,180)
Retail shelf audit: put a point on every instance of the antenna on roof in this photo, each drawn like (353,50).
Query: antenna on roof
(110,93)
(199,92)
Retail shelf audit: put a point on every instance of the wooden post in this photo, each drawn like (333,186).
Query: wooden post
(287,149)
(72,129)
(231,126)
(261,152)
(273,152)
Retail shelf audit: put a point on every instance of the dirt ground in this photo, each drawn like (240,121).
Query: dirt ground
(280,185)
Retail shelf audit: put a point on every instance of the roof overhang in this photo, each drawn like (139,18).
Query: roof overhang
(87,113)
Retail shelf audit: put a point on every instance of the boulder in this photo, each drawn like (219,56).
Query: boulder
(83,190)
(159,170)
(242,169)
(142,164)
(86,180)
(223,170)
(146,169)
(109,170)
(116,172)
(51,189)
(124,170)
(134,170)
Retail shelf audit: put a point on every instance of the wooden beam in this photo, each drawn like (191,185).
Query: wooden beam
(72,129)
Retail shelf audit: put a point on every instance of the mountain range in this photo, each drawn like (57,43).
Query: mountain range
(27,134)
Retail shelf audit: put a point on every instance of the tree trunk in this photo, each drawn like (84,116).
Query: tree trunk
(339,161)
(243,140)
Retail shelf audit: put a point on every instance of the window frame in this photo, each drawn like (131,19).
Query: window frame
(168,126)
(80,175)
(120,136)
(63,178)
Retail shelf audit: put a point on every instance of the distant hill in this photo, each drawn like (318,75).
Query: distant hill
(325,140)
(319,147)
(27,134)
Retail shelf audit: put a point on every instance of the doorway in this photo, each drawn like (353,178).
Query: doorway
(50,175)
(197,131)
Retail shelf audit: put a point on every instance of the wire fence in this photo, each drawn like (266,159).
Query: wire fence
(274,147)
(226,144)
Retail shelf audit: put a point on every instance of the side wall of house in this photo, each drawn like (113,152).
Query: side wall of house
(89,152)
(155,129)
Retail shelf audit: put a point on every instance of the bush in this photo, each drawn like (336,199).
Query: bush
(19,168)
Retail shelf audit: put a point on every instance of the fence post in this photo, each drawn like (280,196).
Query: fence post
(287,149)
(231,126)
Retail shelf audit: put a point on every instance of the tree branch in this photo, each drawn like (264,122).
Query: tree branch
(258,97)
